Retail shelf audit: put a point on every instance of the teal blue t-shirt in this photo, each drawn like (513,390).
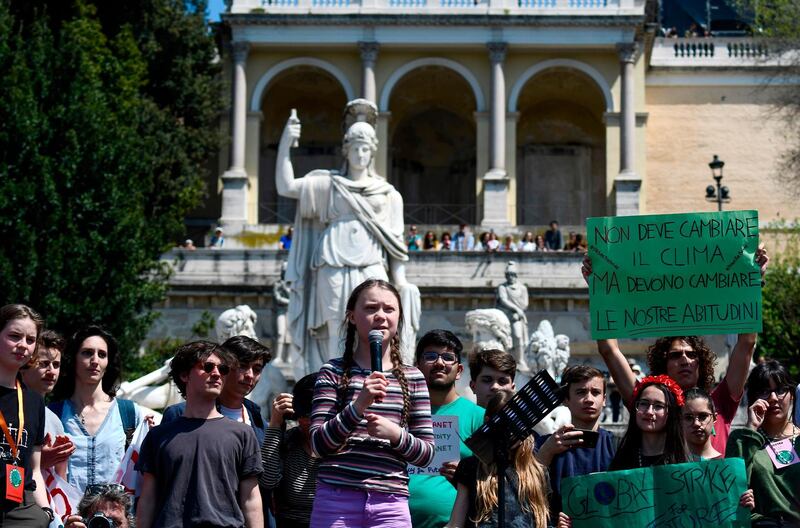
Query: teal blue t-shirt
(432,496)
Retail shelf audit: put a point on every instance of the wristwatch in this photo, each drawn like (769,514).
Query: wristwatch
(49,512)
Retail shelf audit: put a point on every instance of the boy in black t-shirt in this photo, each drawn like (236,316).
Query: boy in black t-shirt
(201,469)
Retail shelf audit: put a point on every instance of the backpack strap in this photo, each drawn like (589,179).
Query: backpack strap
(127,411)
(57,408)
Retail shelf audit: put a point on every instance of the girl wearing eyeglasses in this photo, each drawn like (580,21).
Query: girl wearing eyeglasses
(99,425)
(654,436)
(367,426)
(698,415)
(769,446)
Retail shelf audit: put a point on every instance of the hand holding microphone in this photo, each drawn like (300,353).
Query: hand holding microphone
(376,384)
(376,350)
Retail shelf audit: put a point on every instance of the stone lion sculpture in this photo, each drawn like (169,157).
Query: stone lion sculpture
(548,351)
(489,328)
(239,321)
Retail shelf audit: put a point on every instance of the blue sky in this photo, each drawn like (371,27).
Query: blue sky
(215,7)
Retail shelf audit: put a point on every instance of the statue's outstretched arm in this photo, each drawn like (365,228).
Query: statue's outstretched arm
(285,181)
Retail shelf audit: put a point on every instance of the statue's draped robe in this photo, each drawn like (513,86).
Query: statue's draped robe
(345,231)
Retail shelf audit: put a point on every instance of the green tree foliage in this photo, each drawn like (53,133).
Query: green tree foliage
(777,23)
(781,336)
(107,119)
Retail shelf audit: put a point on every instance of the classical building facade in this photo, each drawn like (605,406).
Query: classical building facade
(500,113)
(503,114)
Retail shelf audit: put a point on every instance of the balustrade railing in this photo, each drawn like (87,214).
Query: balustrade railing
(556,7)
(711,51)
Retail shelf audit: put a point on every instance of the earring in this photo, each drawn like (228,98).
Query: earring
(713,431)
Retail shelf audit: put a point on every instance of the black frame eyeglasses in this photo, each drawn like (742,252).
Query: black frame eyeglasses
(448,358)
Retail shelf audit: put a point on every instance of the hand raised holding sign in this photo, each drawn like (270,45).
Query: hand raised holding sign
(586,268)
(762,259)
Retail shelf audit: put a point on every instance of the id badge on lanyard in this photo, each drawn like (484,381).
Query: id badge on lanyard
(15,473)
(783,453)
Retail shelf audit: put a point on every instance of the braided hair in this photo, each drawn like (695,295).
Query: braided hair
(350,345)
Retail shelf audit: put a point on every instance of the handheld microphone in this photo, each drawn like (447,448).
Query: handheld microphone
(376,350)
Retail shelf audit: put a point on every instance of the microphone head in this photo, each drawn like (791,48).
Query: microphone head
(375,336)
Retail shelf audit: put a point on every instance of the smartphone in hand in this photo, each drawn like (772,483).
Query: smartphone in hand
(590,438)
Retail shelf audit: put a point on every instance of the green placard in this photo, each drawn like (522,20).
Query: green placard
(679,274)
(697,494)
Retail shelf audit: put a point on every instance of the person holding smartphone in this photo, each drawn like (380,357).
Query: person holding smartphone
(580,447)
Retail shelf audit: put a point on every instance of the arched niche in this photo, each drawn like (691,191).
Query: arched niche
(319,99)
(432,158)
(560,149)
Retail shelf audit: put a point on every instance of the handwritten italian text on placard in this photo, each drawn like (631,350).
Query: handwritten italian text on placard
(661,275)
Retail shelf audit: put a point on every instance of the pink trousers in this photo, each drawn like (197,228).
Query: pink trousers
(339,507)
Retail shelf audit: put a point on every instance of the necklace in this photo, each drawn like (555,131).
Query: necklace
(782,435)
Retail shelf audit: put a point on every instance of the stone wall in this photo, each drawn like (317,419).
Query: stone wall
(687,125)
(450,283)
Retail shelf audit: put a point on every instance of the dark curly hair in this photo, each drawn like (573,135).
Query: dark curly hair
(65,387)
(657,358)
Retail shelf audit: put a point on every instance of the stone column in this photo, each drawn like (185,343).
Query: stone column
(495,181)
(497,108)
(369,55)
(627,183)
(234,180)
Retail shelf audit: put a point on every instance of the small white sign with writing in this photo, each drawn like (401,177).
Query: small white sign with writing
(445,434)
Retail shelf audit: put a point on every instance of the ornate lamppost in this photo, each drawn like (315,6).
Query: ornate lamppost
(720,194)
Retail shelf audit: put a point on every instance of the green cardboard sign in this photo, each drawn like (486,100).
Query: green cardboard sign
(680,274)
(698,494)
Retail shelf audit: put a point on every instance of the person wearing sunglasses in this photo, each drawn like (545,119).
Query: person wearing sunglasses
(690,362)
(201,469)
(251,358)
(97,423)
(431,496)
(769,446)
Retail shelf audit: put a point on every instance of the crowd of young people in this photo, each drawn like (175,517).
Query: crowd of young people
(363,437)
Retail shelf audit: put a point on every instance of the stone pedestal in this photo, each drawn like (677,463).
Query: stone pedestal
(627,193)
(495,200)
(234,200)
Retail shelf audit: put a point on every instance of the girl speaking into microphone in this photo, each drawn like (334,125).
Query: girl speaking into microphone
(366,426)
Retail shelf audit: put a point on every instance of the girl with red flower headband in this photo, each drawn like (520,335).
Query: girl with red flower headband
(654,436)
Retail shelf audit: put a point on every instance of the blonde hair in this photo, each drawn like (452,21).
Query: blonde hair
(532,476)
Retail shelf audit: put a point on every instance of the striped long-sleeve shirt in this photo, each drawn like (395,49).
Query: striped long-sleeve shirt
(290,472)
(350,457)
